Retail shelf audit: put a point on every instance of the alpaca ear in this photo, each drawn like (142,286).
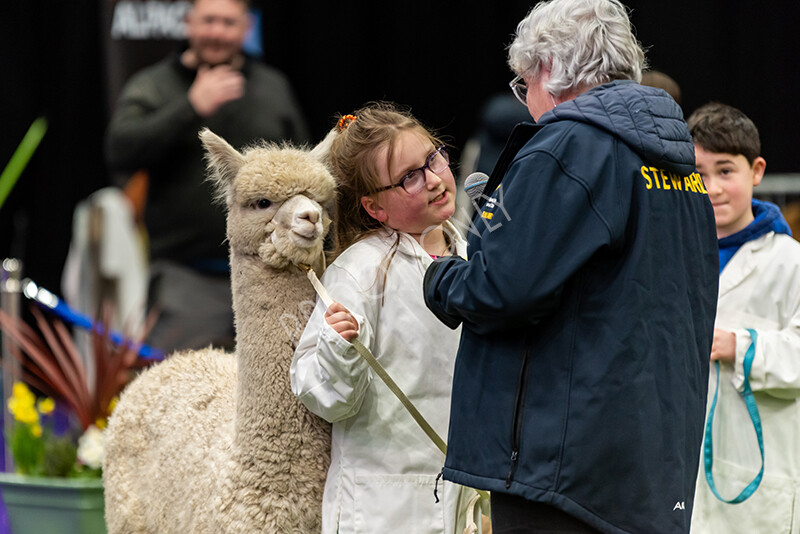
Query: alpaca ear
(322,150)
(222,159)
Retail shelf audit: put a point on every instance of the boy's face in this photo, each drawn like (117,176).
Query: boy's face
(729,180)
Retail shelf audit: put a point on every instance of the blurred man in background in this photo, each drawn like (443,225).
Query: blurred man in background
(154,127)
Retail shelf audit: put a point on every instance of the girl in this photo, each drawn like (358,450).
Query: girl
(396,194)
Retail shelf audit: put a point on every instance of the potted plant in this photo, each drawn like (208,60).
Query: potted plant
(58,453)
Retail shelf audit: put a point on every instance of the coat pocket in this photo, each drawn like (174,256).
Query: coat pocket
(398,503)
(769,509)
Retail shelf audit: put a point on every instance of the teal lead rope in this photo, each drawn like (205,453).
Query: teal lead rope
(750,402)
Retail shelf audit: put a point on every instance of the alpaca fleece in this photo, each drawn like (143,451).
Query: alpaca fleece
(209,442)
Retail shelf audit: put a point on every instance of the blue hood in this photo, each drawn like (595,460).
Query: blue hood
(768,218)
(645,118)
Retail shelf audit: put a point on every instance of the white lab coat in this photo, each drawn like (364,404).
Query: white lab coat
(383,466)
(119,258)
(759,289)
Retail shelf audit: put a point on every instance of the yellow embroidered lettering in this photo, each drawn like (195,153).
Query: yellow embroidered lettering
(699,181)
(688,181)
(665,180)
(649,184)
(655,177)
(676,182)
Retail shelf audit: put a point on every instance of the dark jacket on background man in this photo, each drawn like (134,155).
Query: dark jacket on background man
(155,127)
(588,307)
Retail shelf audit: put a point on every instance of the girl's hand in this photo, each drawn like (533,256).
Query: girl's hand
(723,348)
(342,321)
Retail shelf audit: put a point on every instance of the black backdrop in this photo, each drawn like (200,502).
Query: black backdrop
(443,59)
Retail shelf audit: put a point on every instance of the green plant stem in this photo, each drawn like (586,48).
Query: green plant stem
(22,155)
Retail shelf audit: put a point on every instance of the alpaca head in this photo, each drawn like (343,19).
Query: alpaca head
(275,197)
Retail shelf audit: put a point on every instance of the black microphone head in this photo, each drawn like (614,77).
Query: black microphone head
(475,184)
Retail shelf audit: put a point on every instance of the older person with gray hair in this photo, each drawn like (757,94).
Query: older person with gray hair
(588,299)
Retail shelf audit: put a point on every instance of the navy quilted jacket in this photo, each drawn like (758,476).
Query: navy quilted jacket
(587,305)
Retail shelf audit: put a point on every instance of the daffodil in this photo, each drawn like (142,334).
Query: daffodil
(46,405)
(13,405)
(37,450)
(22,393)
(21,402)
(26,415)
(112,405)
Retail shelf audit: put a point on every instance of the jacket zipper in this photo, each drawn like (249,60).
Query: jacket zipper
(516,430)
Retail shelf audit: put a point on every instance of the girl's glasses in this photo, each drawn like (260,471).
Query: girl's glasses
(414,181)
(520,89)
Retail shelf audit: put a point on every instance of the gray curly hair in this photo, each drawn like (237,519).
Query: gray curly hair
(585,43)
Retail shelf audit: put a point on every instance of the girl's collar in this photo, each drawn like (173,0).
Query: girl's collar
(409,246)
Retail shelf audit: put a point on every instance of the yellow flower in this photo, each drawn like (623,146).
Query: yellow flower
(112,405)
(21,400)
(21,391)
(46,405)
(27,415)
(36,430)
(22,405)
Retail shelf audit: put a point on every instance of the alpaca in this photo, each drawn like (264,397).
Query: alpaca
(209,442)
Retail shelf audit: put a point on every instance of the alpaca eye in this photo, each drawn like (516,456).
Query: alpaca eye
(263,204)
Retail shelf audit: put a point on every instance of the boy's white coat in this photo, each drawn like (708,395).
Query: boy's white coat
(759,289)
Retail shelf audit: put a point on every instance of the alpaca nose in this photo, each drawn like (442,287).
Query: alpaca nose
(306,223)
(309,215)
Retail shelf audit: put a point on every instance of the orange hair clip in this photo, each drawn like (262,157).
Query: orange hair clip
(345,121)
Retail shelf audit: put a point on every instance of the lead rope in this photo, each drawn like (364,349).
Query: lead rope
(378,368)
(365,353)
(752,409)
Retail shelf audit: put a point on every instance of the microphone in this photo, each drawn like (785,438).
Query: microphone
(475,184)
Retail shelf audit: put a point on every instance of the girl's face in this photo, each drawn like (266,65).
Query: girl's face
(395,207)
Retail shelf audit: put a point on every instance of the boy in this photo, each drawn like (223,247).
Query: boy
(759,305)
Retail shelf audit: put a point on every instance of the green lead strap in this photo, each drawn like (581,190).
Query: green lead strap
(752,409)
(381,372)
(378,368)
(19,160)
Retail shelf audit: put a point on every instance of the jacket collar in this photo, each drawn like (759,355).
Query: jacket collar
(744,265)
(522,133)
(408,246)
(750,240)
